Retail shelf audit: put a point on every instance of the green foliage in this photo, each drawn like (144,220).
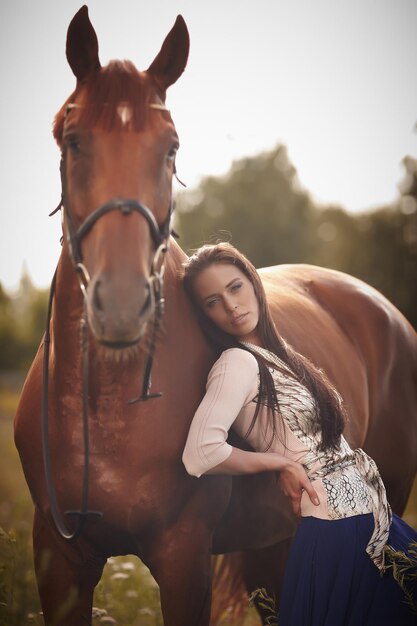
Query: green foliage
(9,345)
(127,594)
(22,323)
(19,603)
(261,598)
(260,207)
(404,570)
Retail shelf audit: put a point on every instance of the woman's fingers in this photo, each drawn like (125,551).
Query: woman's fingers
(312,493)
(293,482)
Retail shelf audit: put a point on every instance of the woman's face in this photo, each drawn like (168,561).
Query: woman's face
(227,297)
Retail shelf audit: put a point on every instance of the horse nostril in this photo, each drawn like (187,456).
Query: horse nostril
(98,305)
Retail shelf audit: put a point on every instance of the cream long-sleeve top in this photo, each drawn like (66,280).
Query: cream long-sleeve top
(347,481)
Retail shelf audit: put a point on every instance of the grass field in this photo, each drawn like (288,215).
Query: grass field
(127,594)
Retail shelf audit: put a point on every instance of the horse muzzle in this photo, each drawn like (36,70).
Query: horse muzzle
(118,310)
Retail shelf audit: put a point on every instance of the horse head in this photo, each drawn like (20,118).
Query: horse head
(118,145)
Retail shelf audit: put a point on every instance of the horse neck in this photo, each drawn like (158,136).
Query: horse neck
(174,292)
(67,307)
(179,320)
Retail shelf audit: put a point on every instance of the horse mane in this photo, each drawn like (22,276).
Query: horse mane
(99,97)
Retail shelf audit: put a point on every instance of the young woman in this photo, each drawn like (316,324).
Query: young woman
(338,572)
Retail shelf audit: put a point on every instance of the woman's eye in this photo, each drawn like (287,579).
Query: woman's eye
(236,287)
(210,303)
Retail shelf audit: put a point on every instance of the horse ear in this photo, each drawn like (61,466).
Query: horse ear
(82,45)
(171,60)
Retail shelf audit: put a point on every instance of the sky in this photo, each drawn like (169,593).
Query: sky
(333,80)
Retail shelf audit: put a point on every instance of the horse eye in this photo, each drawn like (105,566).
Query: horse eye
(172,152)
(72,143)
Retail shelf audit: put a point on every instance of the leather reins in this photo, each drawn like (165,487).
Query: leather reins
(160,236)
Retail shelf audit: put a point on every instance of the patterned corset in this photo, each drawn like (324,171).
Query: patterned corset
(347,492)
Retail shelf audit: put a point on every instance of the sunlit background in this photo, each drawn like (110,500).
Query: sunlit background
(332,81)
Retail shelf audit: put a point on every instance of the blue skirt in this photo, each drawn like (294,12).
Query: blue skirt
(331,581)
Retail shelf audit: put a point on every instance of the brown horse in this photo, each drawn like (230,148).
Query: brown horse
(118,146)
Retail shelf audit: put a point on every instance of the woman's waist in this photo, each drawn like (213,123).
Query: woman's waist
(342,491)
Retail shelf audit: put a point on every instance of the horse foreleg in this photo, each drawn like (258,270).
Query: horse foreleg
(179,559)
(66,577)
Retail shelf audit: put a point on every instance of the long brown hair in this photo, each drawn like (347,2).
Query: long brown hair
(330,411)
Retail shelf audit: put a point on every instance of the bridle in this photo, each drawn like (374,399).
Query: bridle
(75,234)
(159,233)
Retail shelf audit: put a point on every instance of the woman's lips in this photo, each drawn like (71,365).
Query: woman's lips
(239,319)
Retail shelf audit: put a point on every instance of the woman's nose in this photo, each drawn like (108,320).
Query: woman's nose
(230,305)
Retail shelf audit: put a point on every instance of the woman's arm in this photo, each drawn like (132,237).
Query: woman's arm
(232,383)
(292,479)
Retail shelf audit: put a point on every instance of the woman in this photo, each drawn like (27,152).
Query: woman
(338,571)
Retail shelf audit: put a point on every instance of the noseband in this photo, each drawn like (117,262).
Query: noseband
(159,235)
(75,235)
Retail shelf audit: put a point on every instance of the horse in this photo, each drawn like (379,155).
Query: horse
(99,445)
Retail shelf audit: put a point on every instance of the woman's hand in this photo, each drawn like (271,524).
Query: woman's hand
(293,480)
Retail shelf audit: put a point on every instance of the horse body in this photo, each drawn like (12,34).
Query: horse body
(113,155)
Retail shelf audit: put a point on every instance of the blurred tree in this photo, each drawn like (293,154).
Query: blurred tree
(32,325)
(22,322)
(390,242)
(408,187)
(260,207)
(9,343)
(386,260)
(335,240)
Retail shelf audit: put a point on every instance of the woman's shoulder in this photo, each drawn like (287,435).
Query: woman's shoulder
(237,358)
(236,369)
